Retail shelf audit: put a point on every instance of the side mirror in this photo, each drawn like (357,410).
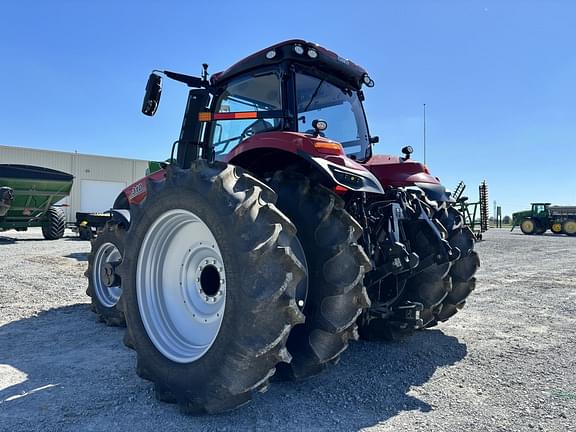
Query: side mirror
(152,96)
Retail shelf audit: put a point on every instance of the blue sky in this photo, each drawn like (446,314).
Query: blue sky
(498,78)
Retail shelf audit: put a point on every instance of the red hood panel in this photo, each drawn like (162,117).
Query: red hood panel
(394,171)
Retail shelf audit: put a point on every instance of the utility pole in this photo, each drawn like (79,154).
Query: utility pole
(424,134)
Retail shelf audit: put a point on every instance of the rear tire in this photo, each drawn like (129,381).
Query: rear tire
(569,227)
(336,268)
(215,367)
(53,228)
(104,285)
(556,228)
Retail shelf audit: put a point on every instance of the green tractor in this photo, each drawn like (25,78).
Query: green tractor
(543,216)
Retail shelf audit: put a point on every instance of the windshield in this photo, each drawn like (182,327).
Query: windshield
(341,109)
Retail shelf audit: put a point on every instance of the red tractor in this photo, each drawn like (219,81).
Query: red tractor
(274,236)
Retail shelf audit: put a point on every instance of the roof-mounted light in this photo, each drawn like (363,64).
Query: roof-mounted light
(312,53)
(366,80)
(298,49)
(271,54)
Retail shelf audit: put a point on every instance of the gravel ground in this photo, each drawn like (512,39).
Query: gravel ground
(505,363)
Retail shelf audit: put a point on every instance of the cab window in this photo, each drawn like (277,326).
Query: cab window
(252,93)
(339,107)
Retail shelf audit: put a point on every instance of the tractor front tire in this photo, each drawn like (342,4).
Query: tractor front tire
(209,283)
(53,228)
(336,267)
(104,284)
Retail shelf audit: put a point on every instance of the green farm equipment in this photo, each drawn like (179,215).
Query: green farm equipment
(27,197)
(475,213)
(543,216)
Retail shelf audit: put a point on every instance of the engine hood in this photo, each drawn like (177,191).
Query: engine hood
(397,172)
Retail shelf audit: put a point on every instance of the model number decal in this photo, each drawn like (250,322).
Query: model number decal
(136,190)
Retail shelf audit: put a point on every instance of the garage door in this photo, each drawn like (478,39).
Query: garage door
(98,196)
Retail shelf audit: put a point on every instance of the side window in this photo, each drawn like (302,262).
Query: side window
(253,93)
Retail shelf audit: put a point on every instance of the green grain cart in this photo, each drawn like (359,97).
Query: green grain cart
(27,198)
(543,216)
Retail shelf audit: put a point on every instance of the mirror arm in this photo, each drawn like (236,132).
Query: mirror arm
(190,81)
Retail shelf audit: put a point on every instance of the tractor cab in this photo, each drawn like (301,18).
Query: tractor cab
(540,209)
(294,86)
(294,103)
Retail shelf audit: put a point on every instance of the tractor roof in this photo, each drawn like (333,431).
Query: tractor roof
(302,52)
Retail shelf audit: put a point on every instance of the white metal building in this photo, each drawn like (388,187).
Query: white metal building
(97,179)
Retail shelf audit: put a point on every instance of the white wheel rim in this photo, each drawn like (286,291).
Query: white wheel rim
(180,285)
(108,296)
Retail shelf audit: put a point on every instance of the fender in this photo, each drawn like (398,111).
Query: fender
(331,162)
(357,180)
(136,192)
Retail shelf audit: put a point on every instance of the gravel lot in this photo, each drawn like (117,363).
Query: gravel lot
(505,363)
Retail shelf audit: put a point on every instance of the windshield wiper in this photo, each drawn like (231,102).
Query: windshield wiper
(313,96)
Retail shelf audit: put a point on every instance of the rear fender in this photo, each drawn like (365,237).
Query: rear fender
(274,151)
(357,180)
(136,192)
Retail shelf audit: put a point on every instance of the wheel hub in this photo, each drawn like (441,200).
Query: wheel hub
(181,286)
(108,274)
(107,287)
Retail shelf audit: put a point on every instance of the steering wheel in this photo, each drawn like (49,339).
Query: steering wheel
(258,126)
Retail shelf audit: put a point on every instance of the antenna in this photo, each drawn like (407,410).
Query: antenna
(424,134)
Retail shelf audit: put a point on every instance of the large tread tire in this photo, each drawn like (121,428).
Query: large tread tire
(463,270)
(569,227)
(108,313)
(336,268)
(262,274)
(428,287)
(55,225)
(441,289)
